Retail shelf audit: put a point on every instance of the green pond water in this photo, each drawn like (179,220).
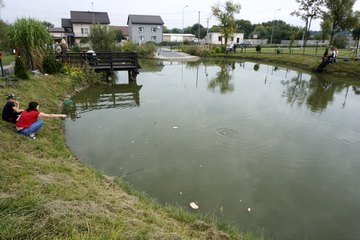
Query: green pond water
(231,137)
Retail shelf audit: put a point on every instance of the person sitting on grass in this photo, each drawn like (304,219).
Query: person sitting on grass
(11,109)
(29,124)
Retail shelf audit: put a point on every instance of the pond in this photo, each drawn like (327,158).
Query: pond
(264,147)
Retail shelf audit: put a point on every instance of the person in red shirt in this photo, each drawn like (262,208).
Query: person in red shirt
(29,124)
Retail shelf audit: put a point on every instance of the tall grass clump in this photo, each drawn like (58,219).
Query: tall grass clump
(32,40)
(20,70)
(102,38)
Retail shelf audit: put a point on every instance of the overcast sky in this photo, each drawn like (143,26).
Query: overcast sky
(171,11)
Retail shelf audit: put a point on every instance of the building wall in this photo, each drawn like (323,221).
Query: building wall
(178,37)
(77,30)
(142,33)
(217,38)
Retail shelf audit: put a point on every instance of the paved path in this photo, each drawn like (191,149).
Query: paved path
(167,54)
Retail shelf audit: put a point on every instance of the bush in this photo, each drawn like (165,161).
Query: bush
(20,70)
(340,41)
(258,48)
(75,48)
(147,50)
(50,65)
(130,46)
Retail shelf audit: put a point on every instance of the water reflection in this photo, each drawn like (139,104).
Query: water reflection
(105,97)
(223,77)
(317,93)
(257,147)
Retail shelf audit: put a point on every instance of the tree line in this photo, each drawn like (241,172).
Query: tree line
(336,16)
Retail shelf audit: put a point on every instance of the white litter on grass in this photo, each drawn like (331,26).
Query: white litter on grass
(249,209)
(194,205)
(175,127)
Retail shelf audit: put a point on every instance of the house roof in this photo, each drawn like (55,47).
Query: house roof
(144,19)
(89,17)
(56,30)
(66,23)
(124,29)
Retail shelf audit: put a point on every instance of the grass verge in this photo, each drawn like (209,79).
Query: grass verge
(46,193)
(305,62)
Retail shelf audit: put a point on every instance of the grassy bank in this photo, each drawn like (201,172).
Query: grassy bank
(305,62)
(46,193)
(308,61)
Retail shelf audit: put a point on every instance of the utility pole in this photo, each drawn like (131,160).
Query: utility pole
(93,15)
(199,28)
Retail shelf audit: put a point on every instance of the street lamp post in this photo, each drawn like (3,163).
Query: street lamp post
(272,31)
(183,18)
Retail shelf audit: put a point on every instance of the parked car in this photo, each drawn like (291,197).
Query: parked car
(245,44)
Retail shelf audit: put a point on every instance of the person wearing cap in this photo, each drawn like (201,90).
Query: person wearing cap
(11,110)
(29,122)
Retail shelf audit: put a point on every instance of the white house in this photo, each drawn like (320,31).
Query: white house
(145,28)
(218,38)
(79,24)
(178,37)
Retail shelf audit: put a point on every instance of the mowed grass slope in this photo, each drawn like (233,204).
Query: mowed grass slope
(46,193)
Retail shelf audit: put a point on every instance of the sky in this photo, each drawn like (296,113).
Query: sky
(175,13)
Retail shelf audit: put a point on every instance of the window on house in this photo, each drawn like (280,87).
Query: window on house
(153,29)
(141,38)
(153,38)
(220,38)
(141,29)
(84,30)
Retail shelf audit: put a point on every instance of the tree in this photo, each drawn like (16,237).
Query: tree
(31,38)
(356,32)
(48,24)
(261,31)
(3,26)
(244,26)
(195,30)
(226,18)
(119,35)
(338,17)
(101,38)
(308,11)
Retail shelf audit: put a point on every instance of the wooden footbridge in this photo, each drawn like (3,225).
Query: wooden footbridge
(106,61)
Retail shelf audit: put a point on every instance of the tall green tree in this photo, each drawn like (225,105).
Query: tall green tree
(31,38)
(195,30)
(3,26)
(102,38)
(356,31)
(308,10)
(119,35)
(339,16)
(48,24)
(226,17)
(245,27)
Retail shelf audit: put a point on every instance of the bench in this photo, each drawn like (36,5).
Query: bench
(10,81)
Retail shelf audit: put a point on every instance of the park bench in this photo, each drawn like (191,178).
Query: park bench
(9,80)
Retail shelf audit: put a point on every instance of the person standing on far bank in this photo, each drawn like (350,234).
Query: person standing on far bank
(29,122)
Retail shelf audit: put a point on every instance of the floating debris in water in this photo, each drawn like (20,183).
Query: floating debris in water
(77,115)
(132,141)
(221,209)
(175,127)
(249,209)
(200,165)
(180,193)
(240,200)
(194,205)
